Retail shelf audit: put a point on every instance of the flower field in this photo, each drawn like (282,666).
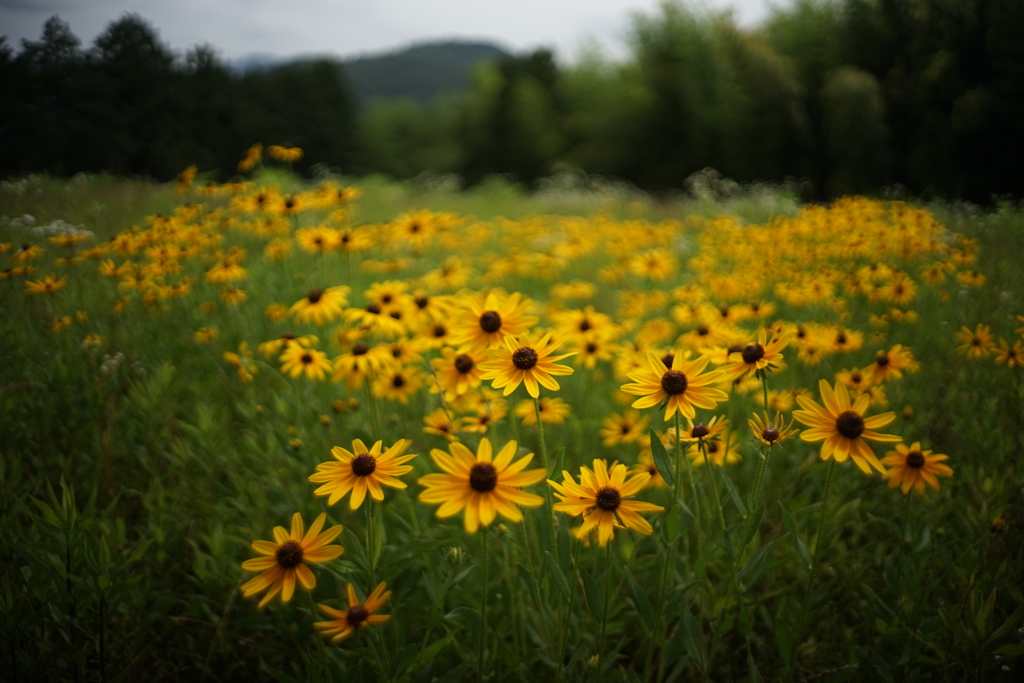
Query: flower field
(290,430)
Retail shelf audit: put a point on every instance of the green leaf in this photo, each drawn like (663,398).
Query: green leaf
(559,461)
(754,523)
(402,660)
(733,492)
(465,615)
(434,649)
(784,638)
(643,605)
(787,521)
(595,599)
(557,577)
(755,675)
(671,526)
(693,638)
(756,564)
(661,460)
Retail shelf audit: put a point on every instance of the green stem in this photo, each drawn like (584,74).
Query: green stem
(371,561)
(604,616)
(534,586)
(714,486)
(483,606)
(564,631)
(819,540)
(547,468)
(764,386)
(754,500)
(903,536)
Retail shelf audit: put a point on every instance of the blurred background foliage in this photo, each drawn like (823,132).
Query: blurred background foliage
(853,95)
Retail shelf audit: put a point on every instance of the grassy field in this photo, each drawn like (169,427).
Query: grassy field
(151,434)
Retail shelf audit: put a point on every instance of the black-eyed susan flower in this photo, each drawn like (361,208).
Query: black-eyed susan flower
(48,285)
(297,360)
(682,385)
(440,424)
(976,344)
(362,470)
(762,355)
(600,498)
(771,432)
(481,484)
(890,364)
(488,319)
(718,451)
(913,466)
(275,346)
(396,383)
(629,427)
(523,361)
(320,305)
(552,411)
(645,465)
(284,560)
(1011,355)
(344,623)
(700,431)
(356,364)
(843,427)
(457,372)
(242,362)
(285,152)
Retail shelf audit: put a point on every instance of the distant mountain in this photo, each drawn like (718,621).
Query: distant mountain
(419,72)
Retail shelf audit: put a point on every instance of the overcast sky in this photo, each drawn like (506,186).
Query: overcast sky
(238,28)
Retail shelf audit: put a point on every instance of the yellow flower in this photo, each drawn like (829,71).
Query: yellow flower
(912,466)
(47,285)
(976,344)
(205,334)
(891,364)
(357,616)
(458,372)
(483,486)
(629,427)
(552,411)
(439,424)
(488,320)
(285,559)
(719,451)
(683,385)
(360,470)
(397,383)
(320,305)
(522,361)
(600,498)
(760,356)
(843,427)
(1011,355)
(297,360)
(771,432)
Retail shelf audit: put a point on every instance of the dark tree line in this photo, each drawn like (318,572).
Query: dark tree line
(129,106)
(851,94)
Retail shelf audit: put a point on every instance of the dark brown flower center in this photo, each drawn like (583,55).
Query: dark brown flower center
(373,307)
(584,325)
(850,424)
(674,382)
(288,335)
(357,615)
(882,359)
(440,330)
(360,349)
(463,363)
(421,301)
(483,477)
(289,555)
(915,459)
(753,353)
(490,322)
(668,359)
(608,499)
(315,295)
(591,347)
(703,331)
(735,348)
(398,382)
(363,465)
(306,358)
(397,315)
(524,358)
(770,434)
